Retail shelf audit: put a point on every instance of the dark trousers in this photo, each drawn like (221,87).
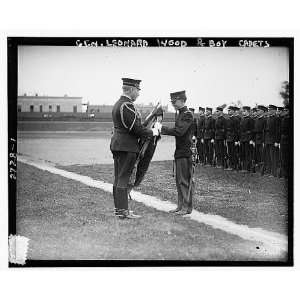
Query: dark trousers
(123,167)
(259,153)
(245,155)
(200,149)
(183,181)
(208,151)
(271,159)
(284,156)
(231,154)
(219,148)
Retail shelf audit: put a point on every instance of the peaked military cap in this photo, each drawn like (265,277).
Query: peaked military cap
(201,108)
(219,108)
(231,107)
(262,107)
(246,108)
(271,106)
(132,82)
(208,108)
(192,109)
(178,96)
(254,109)
(280,108)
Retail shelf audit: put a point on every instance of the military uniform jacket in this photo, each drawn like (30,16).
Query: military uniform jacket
(220,128)
(182,132)
(200,127)
(127,127)
(232,124)
(209,128)
(246,129)
(272,130)
(284,129)
(259,128)
(194,126)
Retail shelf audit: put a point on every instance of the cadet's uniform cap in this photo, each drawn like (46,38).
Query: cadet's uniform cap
(271,106)
(262,107)
(208,109)
(246,108)
(178,96)
(201,108)
(219,108)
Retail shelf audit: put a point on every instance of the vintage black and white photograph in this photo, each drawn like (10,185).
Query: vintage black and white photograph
(158,151)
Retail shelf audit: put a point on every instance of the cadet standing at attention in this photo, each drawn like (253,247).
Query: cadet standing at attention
(259,128)
(209,135)
(200,135)
(183,154)
(246,138)
(220,134)
(124,144)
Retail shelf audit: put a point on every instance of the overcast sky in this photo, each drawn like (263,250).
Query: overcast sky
(210,76)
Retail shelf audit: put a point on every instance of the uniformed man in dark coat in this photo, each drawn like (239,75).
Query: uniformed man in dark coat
(278,161)
(200,134)
(231,137)
(194,127)
(220,134)
(209,136)
(183,154)
(259,128)
(284,140)
(246,138)
(272,140)
(237,144)
(124,144)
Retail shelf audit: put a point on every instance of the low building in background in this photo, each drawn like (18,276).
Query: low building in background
(49,104)
(143,109)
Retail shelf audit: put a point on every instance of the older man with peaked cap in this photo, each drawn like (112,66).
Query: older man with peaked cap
(124,144)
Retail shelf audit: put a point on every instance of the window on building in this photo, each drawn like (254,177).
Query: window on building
(41,108)
(31,108)
(57,108)
(50,108)
(19,108)
(75,109)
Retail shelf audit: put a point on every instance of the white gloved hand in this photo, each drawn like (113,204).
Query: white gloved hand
(158,126)
(251,142)
(155,131)
(202,141)
(276,144)
(236,143)
(212,141)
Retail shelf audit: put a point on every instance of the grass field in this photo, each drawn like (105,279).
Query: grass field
(245,198)
(65,219)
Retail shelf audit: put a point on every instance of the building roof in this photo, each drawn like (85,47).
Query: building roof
(49,97)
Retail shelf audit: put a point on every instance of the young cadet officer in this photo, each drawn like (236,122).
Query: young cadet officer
(124,144)
(183,154)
